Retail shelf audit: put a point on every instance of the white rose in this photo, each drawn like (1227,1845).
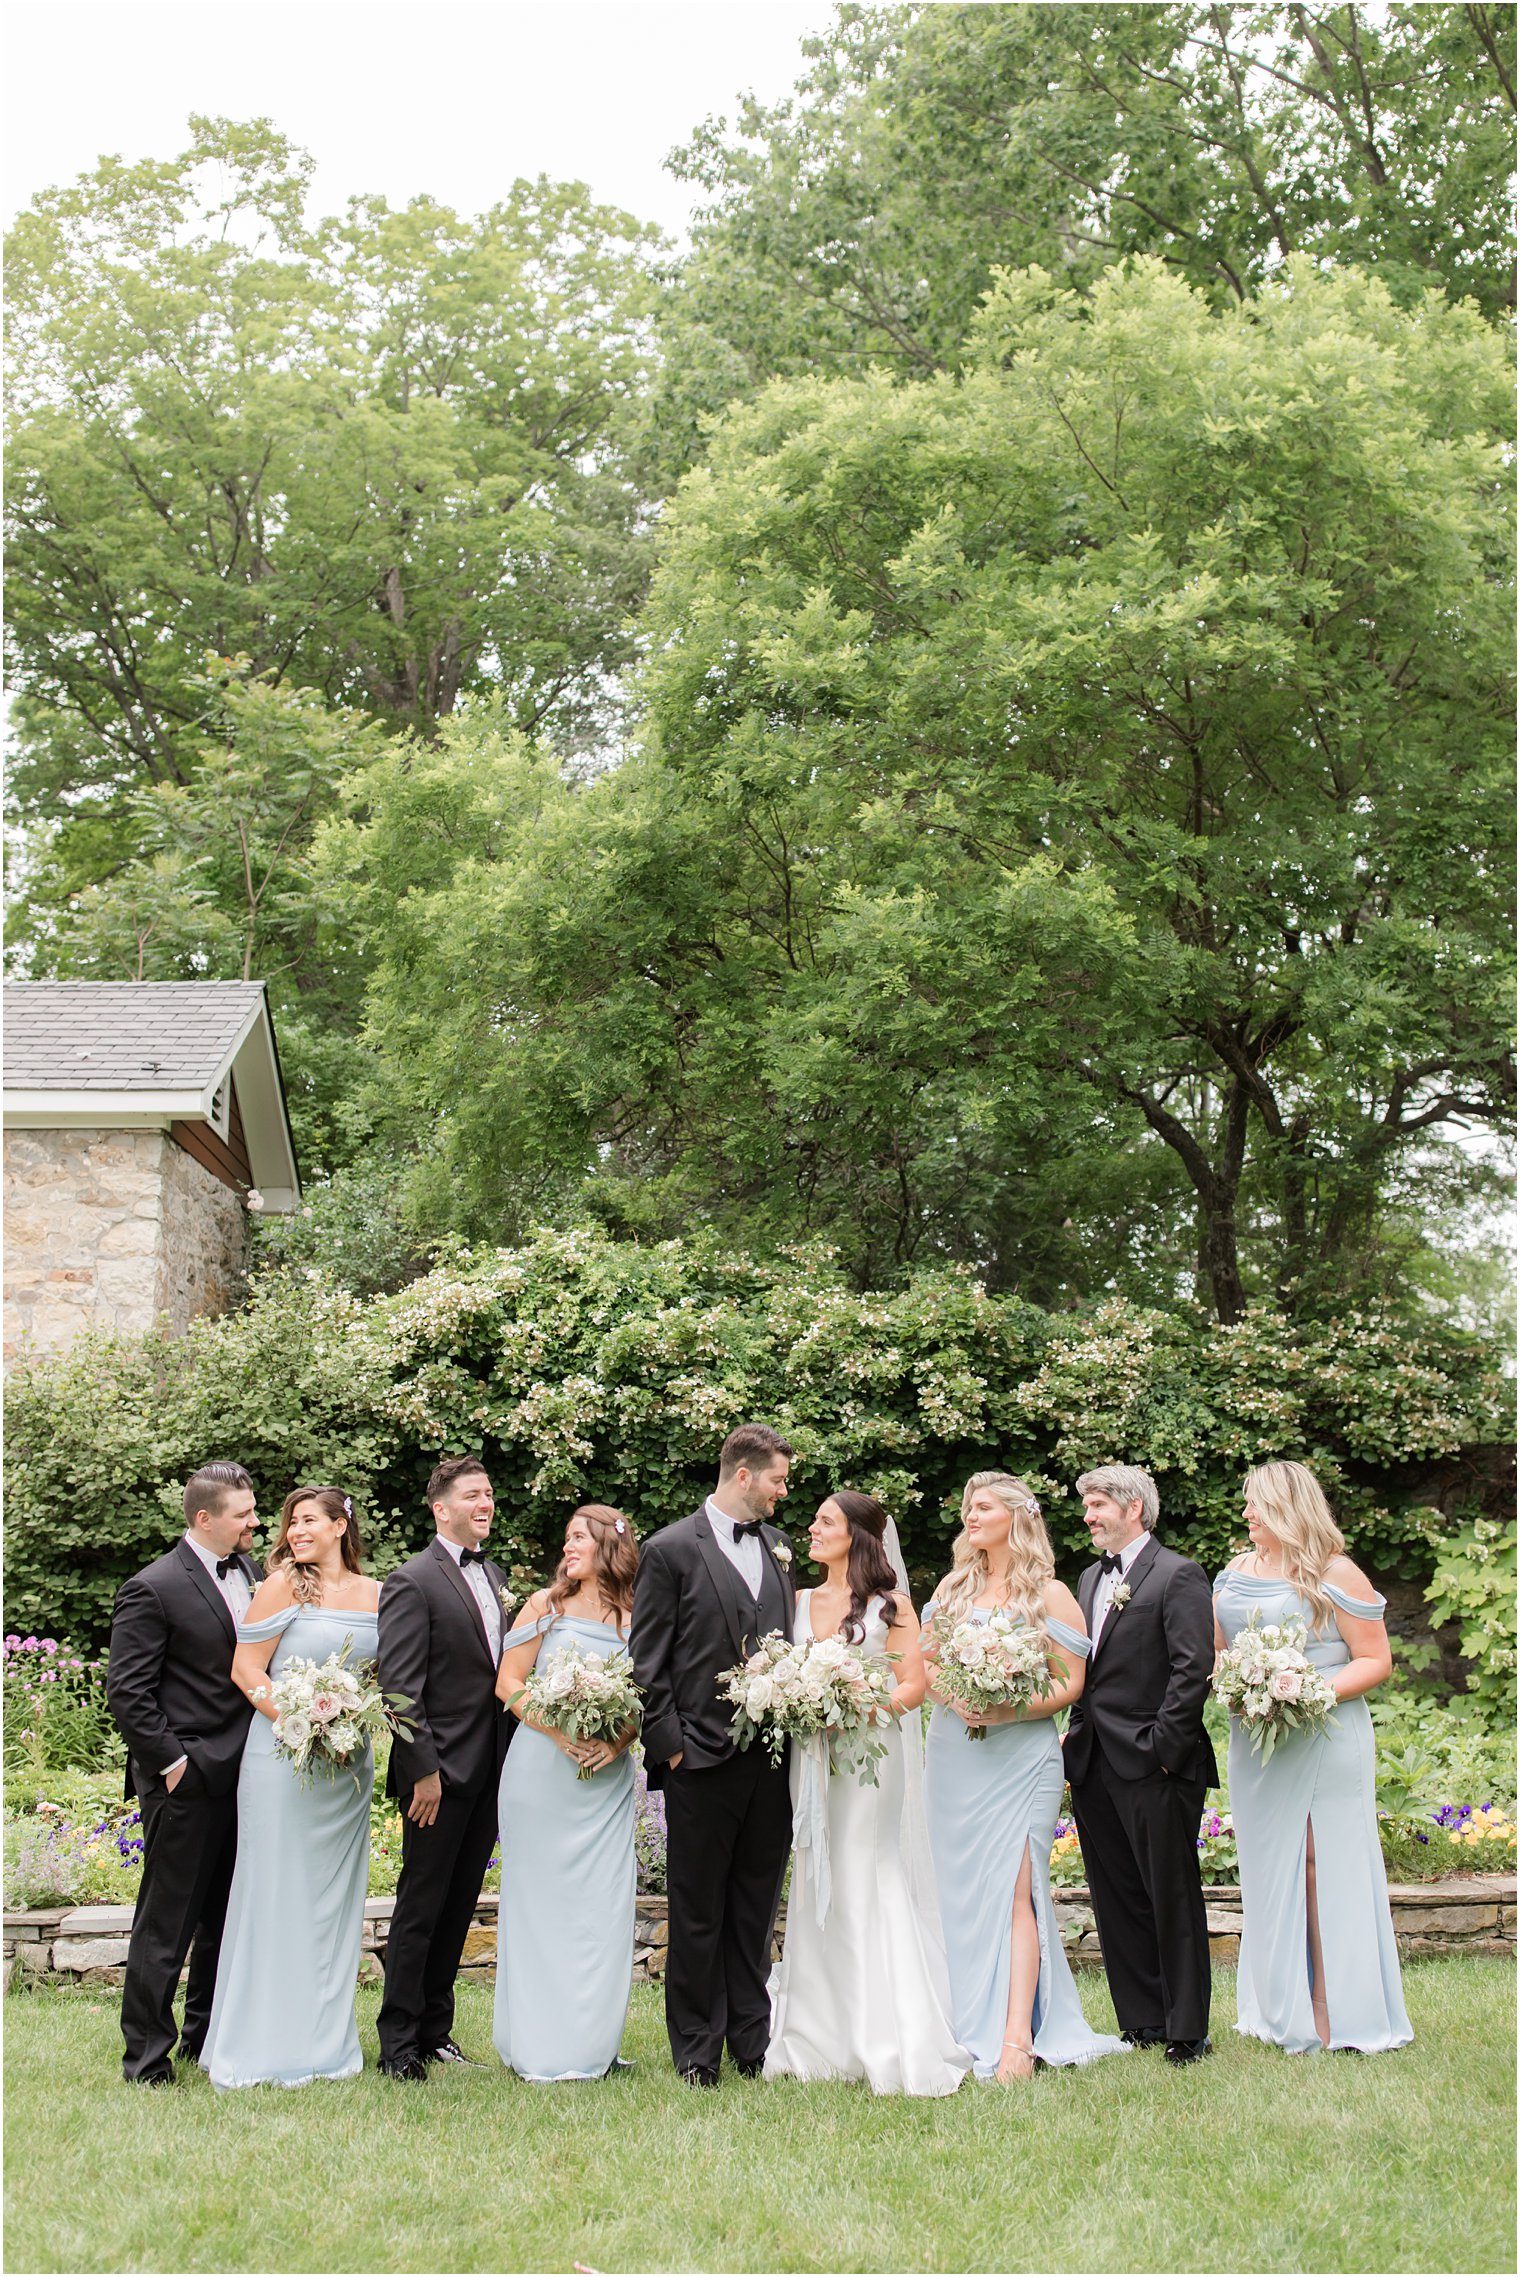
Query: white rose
(758,1695)
(1287,1684)
(294,1731)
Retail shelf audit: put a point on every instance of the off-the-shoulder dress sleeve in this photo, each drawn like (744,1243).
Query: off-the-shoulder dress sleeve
(273,1625)
(1358,1607)
(1068,1638)
(526,1635)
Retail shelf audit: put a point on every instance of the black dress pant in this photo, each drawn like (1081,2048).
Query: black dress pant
(1139,1842)
(189,1850)
(728,1836)
(442,1868)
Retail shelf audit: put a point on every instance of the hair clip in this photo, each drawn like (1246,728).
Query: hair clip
(620,1525)
(1032,1507)
(348,1508)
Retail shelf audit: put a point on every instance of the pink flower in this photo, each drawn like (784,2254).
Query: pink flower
(1286,1684)
(325,1707)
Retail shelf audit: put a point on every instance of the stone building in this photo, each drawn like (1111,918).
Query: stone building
(143,1120)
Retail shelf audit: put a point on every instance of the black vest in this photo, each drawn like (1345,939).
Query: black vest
(767,1612)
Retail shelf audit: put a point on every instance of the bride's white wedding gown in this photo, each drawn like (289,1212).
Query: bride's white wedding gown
(863,1994)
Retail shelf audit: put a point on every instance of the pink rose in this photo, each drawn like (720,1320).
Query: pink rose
(1286,1684)
(325,1707)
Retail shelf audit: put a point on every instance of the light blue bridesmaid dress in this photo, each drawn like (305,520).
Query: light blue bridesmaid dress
(1325,1778)
(564,1956)
(284,2005)
(989,1800)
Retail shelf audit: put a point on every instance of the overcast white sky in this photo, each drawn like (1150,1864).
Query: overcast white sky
(454,98)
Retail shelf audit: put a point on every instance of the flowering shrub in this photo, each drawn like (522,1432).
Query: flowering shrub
(52,1859)
(583,1366)
(1457,1838)
(56,1717)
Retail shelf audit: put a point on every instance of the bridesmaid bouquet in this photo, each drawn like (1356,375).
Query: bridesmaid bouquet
(998,1663)
(823,1689)
(327,1712)
(583,1698)
(1267,1680)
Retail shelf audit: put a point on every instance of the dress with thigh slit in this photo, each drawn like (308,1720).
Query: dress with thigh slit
(989,1800)
(1324,1777)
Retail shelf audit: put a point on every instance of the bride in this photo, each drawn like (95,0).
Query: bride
(863,1992)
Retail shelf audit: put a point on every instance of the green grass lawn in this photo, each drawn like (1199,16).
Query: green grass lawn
(1252,2161)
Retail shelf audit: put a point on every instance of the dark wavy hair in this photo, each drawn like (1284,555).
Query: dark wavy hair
(305,1581)
(617,1560)
(869,1573)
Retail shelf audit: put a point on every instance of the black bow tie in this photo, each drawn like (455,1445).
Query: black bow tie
(749,1533)
(1112,1561)
(472,1557)
(224,1566)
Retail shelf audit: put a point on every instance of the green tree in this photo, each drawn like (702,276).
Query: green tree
(223,887)
(1067,789)
(863,218)
(382,457)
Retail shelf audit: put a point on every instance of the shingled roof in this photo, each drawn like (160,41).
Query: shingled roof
(106,1035)
(151,1054)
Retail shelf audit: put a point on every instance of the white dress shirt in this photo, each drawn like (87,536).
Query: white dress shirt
(746,1556)
(484,1595)
(232,1587)
(1103,1594)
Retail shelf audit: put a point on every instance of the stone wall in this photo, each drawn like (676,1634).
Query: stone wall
(111,1229)
(87,1944)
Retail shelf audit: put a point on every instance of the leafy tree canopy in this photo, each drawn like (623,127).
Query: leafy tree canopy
(863,218)
(381,456)
(1099,760)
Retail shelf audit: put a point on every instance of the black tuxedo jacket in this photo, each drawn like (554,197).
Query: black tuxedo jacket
(434,1651)
(169,1675)
(691,1621)
(1148,1674)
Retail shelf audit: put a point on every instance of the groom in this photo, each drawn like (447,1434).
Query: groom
(708,1588)
(1140,1762)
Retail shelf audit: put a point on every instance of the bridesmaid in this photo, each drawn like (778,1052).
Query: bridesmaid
(993,1805)
(564,1960)
(1319,1967)
(284,2004)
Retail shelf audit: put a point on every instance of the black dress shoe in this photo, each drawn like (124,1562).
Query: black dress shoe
(696,2076)
(751,2068)
(450,2052)
(620,2063)
(1188,2051)
(404,2067)
(185,2054)
(151,2079)
(1143,2039)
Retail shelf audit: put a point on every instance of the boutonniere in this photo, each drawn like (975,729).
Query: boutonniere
(1118,1597)
(509,1600)
(781,1552)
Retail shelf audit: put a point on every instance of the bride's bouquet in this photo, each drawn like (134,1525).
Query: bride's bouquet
(1268,1681)
(997,1663)
(824,1689)
(583,1697)
(328,1712)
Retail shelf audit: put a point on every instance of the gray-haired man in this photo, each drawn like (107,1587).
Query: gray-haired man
(1140,1762)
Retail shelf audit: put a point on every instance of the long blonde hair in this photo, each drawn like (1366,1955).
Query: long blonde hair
(1292,1503)
(1031,1560)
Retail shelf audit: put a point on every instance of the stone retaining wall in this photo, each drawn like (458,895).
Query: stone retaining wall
(88,1944)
